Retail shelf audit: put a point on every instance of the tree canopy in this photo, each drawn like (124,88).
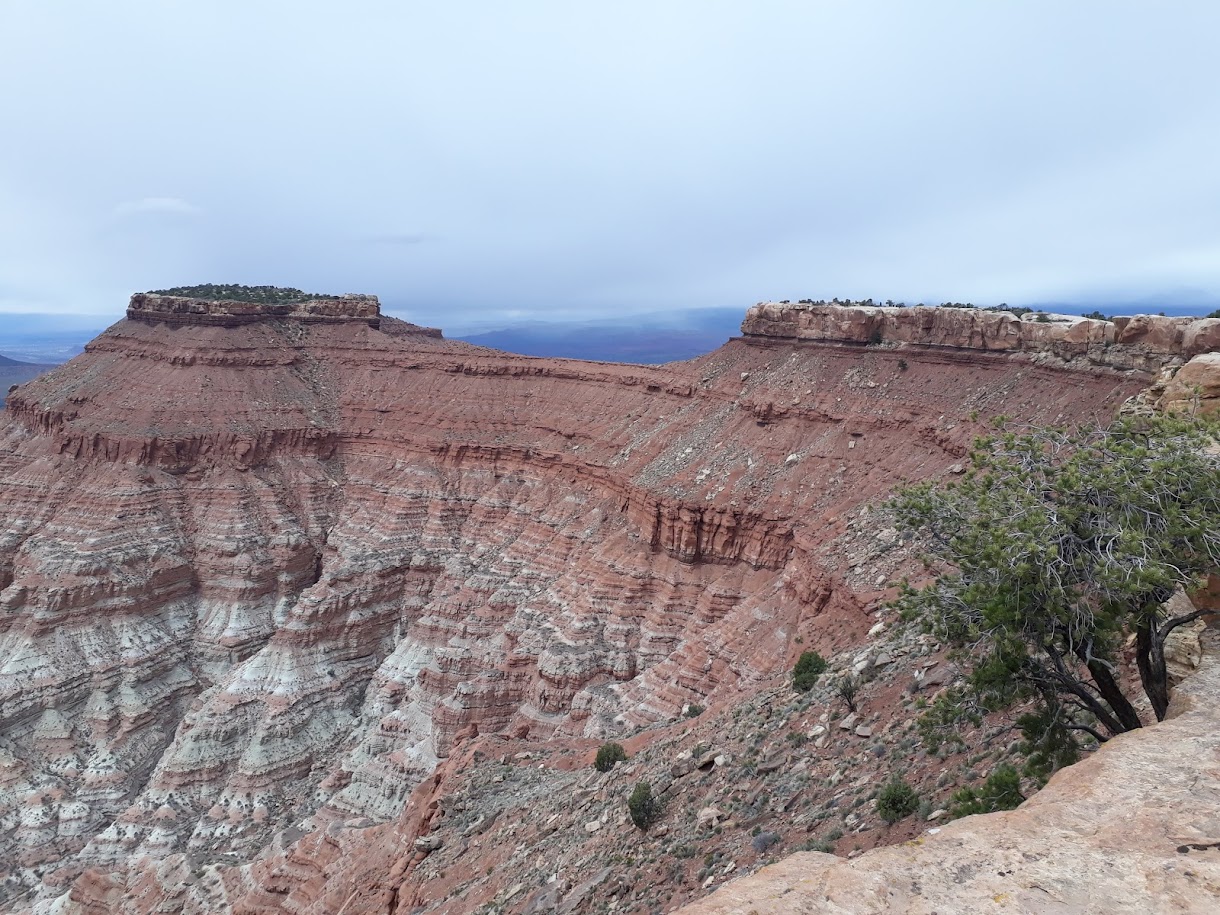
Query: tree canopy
(1052,551)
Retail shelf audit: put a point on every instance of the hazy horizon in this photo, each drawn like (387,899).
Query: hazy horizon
(682,334)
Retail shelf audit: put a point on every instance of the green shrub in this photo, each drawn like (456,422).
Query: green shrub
(608,756)
(808,668)
(1001,791)
(643,807)
(694,710)
(897,800)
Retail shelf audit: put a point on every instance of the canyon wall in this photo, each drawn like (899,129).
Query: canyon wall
(1148,343)
(154,308)
(263,573)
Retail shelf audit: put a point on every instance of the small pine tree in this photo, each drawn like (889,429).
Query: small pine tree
(643,807)
(808,668)
(1001,791)
(608,756)
(897,800)
(1056,547)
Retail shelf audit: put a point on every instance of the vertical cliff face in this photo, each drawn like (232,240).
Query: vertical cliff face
(262,570)
(1145,342)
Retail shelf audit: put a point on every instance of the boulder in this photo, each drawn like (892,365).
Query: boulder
(1195,387)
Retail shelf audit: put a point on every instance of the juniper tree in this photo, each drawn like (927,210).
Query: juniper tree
(1054,548)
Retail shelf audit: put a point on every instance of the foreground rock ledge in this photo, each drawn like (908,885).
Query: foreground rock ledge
(1135,828)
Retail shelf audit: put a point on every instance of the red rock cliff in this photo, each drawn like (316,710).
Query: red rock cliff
(260,571)
(153,308)
(1144,342)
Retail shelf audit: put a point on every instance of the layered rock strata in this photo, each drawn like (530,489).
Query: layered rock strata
(260,573)
(173,309)
(1144,342)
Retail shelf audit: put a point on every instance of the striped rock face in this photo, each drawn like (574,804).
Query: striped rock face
(265,578)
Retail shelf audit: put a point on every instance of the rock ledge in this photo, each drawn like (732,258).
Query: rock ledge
(172,309)
(1146,343)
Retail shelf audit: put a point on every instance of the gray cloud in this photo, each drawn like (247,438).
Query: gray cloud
(564,160)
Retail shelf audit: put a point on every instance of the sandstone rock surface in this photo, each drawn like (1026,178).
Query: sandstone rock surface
(1195,387)
(1144,342)
(155,308)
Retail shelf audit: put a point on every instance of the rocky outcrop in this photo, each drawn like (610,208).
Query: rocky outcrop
(1134,828)
(261,575)
(1195,388)
(172,309)
(1146,343)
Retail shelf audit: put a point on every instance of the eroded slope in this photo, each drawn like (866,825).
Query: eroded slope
(259,577)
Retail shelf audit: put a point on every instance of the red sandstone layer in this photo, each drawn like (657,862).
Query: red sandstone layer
(1145,342)
(256,579)
(154,308)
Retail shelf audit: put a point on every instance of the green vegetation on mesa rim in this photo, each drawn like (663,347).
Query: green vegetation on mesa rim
(232,292)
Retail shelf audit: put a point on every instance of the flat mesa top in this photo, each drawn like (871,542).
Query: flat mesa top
(233,292)
(231,305)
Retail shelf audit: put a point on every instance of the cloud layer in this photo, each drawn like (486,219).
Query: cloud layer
(557,160)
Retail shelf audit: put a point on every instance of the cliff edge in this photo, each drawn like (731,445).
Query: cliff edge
(153,308)
(1147,343)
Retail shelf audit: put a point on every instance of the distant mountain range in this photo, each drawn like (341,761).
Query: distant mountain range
(13,372)
(645,339)
(43,340)
(674,336)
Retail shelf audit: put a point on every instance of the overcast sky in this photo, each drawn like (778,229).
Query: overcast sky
(476,163)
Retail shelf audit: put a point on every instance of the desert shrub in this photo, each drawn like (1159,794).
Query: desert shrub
(897,800)
(642,806)
(764,840)
(1001,791)
(694,710)
(846,689)
(608,756)
(809,666)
